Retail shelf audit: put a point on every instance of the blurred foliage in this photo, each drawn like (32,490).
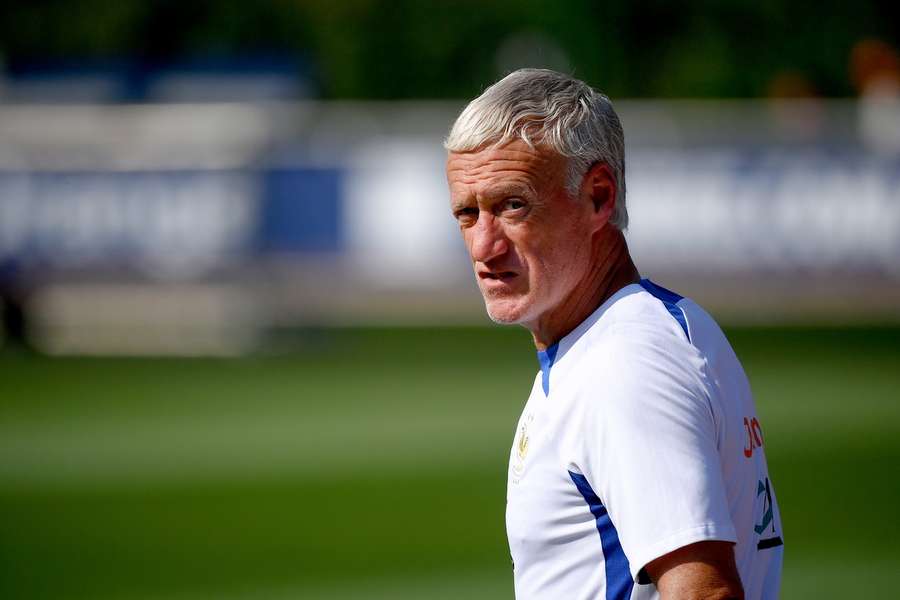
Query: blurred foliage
(414,49)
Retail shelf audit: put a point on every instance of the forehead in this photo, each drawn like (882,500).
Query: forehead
(515,164)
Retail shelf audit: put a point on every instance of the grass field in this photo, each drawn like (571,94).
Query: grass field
(372,464)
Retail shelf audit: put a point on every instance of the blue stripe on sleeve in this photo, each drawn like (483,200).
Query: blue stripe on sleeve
(619,582)
(670,300)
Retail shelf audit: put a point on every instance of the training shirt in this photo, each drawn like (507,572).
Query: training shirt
(639,437)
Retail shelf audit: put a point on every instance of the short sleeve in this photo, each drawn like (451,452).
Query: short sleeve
(648,447)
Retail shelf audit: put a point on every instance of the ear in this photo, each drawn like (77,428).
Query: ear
(599,189)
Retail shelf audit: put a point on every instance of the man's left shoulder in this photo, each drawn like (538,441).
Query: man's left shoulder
(659,319)
(642,348)
(638,329)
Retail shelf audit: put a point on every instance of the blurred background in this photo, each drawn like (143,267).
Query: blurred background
(242,352)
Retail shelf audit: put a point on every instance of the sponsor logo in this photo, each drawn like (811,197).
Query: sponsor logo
(754,436)
(764,488)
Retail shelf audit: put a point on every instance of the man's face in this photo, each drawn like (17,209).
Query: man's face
(530,243)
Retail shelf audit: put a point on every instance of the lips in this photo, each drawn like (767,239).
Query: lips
(497,275)
(497,281)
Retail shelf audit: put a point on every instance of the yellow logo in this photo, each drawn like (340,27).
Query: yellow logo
(521,449)
(522,446)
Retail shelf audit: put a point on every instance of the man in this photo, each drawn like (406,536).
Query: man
(637,469)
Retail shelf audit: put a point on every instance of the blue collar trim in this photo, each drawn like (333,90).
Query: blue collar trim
(546,358)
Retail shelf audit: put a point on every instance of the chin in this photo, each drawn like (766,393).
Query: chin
(507,312)
(502,319)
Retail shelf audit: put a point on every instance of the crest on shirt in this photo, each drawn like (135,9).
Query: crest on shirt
(521,446)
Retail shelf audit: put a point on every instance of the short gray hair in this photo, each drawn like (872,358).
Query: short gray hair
(554,110)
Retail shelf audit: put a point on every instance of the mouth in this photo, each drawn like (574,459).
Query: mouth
(496,274)
(490,277)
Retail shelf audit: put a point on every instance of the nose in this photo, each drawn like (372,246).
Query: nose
(488,240)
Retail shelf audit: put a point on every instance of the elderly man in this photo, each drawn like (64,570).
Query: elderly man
(637,470)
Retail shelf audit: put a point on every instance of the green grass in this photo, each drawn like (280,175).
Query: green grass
(372,465)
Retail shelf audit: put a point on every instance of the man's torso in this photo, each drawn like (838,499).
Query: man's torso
(609,465)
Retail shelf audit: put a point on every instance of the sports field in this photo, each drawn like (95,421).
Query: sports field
(371,464)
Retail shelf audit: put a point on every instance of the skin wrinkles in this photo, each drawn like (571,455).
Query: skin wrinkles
(542,259)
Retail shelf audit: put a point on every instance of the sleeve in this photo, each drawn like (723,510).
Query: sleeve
(648,448)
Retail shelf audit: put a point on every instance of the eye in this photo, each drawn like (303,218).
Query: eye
(466,215)
(513,205)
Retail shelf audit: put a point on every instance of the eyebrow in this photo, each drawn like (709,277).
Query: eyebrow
(497,192)
(456,205)
(505,190)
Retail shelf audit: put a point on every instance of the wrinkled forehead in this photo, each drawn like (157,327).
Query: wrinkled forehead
(513,164)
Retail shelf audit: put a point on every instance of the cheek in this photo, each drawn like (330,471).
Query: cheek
(563,258)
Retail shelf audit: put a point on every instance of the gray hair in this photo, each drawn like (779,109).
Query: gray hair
(554,110)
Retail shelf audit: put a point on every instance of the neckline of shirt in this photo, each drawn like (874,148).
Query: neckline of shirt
(554,354)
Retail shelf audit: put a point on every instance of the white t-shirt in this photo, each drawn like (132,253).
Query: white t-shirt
(640,436)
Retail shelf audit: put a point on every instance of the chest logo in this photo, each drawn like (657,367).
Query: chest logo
(521,447)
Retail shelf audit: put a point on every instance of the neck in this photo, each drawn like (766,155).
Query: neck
(612,270)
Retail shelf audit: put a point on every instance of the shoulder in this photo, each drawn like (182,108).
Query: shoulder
(639,357)
(637,333)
